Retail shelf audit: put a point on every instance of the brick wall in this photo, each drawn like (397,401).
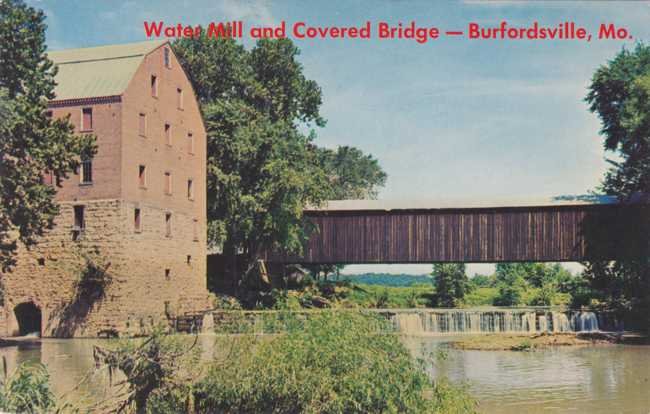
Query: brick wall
(153,275)
(107,121)
(135,298)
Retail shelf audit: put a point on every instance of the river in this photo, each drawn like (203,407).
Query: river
(595,379)
(583,379)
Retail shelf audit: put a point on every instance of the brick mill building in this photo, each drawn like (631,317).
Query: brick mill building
(136,211)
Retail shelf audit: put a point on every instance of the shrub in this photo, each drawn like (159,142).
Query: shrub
(525,345)
(26,390)
(158,371)
(333,362)
(382,299)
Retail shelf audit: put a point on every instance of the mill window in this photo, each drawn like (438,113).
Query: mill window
(168,183)
(154,86)
(190,189)
(142,176)
(168,134)
(167,58)
(179,98)
(168,224)
(142,125)
(79,218)
(86,174)
(87,119)
(137,220)
(190,143)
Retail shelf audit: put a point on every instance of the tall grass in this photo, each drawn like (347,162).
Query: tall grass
(331,362)
(26,390)
(335,362)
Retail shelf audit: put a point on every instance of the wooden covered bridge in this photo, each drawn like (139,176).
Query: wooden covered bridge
(564,228)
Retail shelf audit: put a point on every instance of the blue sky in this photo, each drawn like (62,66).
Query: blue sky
(454,117)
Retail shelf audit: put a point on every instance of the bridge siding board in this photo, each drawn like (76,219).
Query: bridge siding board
(471,235)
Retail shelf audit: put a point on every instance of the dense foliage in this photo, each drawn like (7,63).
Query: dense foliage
(158,371)
(513,280)
(329,362)
(512,284)
(26,390)
(31,143)
(388,279)
(619,94)
(351,173)
(263,165)
(335,362)
(261,168)
(451,284)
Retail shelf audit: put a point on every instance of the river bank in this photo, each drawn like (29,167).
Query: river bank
(597,379)
(503,342)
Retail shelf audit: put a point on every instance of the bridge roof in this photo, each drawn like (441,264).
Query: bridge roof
(451,204)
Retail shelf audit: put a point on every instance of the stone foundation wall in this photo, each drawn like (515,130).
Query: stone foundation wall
(148,275)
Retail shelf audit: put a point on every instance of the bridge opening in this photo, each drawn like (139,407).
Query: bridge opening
(29,318)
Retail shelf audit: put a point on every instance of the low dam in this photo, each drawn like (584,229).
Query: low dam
(433,321)
(498,320)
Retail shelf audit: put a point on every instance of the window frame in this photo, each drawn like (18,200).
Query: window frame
(142,121)
(83,126)
(190,189)
(154,85)
(86,169)
(169,189)
(168,134)
(168,224)
(180,104)
(79,217)
(142,176)
(190,138)
(137,220)
(167,58)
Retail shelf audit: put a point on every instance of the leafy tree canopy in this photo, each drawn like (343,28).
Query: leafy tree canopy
(351,173)
(451,283)
(30,142)
(619,94)
(263,164)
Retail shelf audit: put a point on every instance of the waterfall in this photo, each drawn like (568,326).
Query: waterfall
(585,322)
(560,322)
(543,323)
(410,324)
(473,321)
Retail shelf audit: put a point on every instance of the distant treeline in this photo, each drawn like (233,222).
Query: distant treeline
(388,279)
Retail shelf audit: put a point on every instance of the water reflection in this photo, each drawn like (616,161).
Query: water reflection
(603,379)
(71,366)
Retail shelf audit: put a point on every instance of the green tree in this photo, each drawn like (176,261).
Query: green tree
(619,94)
(511,281)
(306,371)
(351,173)
(479,281)
(30,142)
(451,283)
(263,165)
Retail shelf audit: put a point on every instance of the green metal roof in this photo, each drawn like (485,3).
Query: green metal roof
(98,71)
